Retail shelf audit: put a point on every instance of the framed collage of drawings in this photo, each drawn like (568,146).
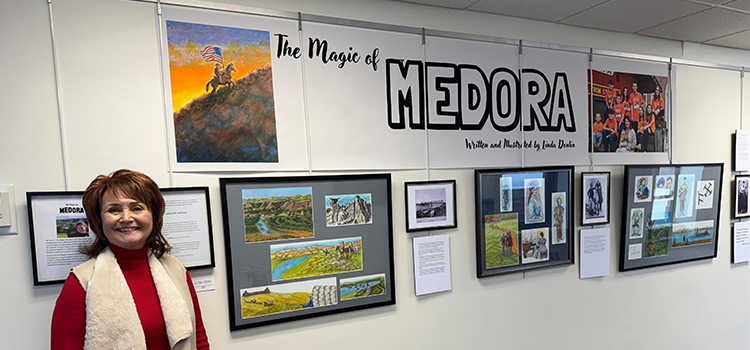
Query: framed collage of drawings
(670,214)
(307,246)
(524,219)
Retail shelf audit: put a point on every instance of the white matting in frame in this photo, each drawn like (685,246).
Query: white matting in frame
(430,205)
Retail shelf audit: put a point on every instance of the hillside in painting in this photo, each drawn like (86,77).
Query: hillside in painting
(234,124)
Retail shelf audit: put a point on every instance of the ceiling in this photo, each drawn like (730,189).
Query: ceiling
(715,22)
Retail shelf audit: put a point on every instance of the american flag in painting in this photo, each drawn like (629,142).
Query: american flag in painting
(212,54)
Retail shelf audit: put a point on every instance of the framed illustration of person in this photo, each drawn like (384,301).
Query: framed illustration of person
(595,194)
(524,219)
(741,187)
(671,213)
(430,205)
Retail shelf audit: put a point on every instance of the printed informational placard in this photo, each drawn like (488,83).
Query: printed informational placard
(226,81)
(742,150)
(187,225)
(741,242)
(595,252)
(58,228)
(432,264)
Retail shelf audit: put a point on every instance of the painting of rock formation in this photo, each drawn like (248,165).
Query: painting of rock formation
(348,209)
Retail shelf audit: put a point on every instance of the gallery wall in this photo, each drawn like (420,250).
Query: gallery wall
(110,115)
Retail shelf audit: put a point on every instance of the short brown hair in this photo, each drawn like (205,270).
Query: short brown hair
(131,184)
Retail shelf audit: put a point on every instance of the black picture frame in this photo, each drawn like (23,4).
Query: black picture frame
(441,217)
(64,206)
(595,200)
(510,199)
(258,213)
(676,220)
(740,203)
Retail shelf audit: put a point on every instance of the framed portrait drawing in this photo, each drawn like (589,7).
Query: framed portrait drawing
(524,219)
(430,205)
(741,186)
(671,213)
(307,246)
(595,194)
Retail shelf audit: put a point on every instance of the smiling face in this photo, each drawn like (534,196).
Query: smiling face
(82,228)
(126,222)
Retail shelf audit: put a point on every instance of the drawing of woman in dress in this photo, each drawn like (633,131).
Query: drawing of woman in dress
(534,203)
(558,215)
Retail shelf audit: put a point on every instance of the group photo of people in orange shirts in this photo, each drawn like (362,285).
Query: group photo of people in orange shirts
(628,112)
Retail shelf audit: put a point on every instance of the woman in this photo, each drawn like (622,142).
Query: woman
(534,204)
(541,247)
(628,141)
(82,230)
(130,294)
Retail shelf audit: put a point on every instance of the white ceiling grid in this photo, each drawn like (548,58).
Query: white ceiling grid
(715,22)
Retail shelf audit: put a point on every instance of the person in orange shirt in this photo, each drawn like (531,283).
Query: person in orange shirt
(609,96)
(657,103)
(596,132)
(626,108)
(609,132)
(619,111)
(636,103)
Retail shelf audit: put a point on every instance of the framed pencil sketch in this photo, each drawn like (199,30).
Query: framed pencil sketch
(595,194)
(58,229)
(430,205)
(524,219)
(671,214)
(741,186)
(307,246)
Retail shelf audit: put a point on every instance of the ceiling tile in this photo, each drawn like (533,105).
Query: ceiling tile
(702,26)
(739,40)
(631,16)
(739,4)
(456,4)
(544,10)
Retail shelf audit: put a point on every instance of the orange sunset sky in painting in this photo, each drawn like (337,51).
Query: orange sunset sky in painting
(189,73)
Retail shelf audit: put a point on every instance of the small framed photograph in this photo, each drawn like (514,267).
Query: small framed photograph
(430,205)
(595,187)
(741,185)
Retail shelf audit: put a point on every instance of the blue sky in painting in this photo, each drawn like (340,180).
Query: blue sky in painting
(275,192)
(179,33)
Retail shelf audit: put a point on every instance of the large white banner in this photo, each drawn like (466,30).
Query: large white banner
(346,81)
(555,107)
(473,104)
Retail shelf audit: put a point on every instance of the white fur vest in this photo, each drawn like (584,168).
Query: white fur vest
(111,317)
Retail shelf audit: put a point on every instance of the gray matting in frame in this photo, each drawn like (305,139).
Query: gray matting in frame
(357,247)
(674,221)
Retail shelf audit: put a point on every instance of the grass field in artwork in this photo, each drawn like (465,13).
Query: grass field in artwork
(317,258)
(362,287)
(274,214)
(501,231)
(289,297)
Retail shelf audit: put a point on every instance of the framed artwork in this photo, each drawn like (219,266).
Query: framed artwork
(595,187)
(671,213)
(59,228)
(307,246)
(430,205)
(524,219)
(741,186)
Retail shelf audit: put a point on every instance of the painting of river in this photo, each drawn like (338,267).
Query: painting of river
(362,286)
(274,214)
(692,233)
(317,258)
(288,297)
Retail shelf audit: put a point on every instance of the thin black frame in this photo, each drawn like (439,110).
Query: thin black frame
(734,197)
(428,183)
(482,271)
(31,196)
(583,197)
(294,316)
(626,213)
